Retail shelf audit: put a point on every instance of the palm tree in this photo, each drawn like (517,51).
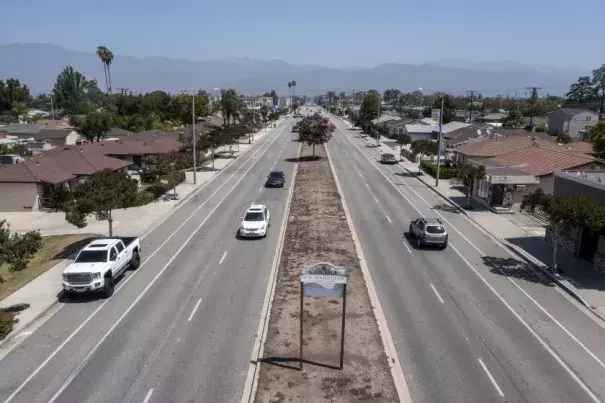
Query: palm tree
(106,58)
(102,54)
(290,92)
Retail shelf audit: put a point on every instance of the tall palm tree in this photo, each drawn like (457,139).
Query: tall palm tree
(290,92)
(102,55)
(293,88)
(106,57)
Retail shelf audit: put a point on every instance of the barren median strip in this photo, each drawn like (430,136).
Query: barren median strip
(317,231)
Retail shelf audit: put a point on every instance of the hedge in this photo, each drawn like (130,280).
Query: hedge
(408,154)
(444,172)
(159,188)
(6,323)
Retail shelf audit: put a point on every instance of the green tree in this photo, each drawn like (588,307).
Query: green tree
(94,126)
(315,130)
(514,119)
(106,58)
(598,81)
(596,136)
(542,128)
(468,174)
(230,105)
(12,91)
(563,138)
(274,97)
(17,250)
(403,139)
(423,148)
(449,109)
(564,214)
(370,108)
(99,195)
(391,95)
(19,109)
(70,91)
(264,111)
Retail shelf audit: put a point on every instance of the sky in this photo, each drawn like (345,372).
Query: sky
(332,33)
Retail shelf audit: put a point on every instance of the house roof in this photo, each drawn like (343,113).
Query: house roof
(386,118)
(48,134)
(494,116)
(515,140)
(540,161)
(570,112)
(118,132)
(446,128)
(59,168)
(20,128)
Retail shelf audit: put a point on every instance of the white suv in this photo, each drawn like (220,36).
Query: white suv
(255,222)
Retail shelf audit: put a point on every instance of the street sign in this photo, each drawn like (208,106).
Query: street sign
(164,181)
(323,280)
(435,117)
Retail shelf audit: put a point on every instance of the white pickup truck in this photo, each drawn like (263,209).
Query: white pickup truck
(99,265)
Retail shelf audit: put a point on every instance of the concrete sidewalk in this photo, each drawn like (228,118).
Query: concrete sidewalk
(42,293)
(523,235)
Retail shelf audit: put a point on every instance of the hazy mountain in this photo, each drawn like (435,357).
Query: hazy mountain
(507,66)
(37,65)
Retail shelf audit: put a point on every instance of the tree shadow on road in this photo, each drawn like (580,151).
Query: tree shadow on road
(448,208)
(70,250)
(510,267)
(305,158)
(281,362)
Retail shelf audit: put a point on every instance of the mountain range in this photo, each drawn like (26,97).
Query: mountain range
(38,65)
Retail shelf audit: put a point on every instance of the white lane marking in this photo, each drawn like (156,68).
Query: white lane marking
(368,186)
(148,397)
(407,247)
(91,316)
(376,200)
(223,258)
(388,219)
(436,293)
(260,189)
(197,305)
(550,316)
(491,378)
(550,350)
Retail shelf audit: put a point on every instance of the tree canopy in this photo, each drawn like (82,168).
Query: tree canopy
(315,130)
(469,174)
(94,126)
(596,136)
(99,195)
(514,119)
(423,147)
(72,92)
(370,107)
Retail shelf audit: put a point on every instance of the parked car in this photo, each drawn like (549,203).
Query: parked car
(255,223)
(388,158)
(428,231)
(276,179)
(100,264)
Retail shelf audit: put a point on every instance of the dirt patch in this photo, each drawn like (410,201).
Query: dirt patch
(317,231)
(54,249)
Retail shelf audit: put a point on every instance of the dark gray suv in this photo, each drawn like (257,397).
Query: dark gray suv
(428,231)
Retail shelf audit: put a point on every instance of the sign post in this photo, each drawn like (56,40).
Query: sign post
(323,280)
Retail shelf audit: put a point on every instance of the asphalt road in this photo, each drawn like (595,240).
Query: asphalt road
(182,328)
(471,323)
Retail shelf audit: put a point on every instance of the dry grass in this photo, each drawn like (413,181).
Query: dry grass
(318,231)
(55,248)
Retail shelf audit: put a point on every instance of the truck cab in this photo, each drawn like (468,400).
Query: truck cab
(99,265)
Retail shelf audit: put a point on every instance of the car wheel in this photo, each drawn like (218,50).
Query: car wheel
(135,263)
(109,288)
(444,246)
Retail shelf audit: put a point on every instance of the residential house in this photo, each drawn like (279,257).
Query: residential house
(386,118)
(571,121)
(492,117)
(512,175)
(479,151)
(428,132)
(256,101)
(463,115)
(27,185)
(583,243)
(57,137)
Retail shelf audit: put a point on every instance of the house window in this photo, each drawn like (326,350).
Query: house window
(588,118)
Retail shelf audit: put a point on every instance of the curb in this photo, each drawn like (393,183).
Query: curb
(9,337)
(559,280)
(564,284)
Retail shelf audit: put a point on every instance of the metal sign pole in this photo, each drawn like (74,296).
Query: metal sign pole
(342,330)
(300,354)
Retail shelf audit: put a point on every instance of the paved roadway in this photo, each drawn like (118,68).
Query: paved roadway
(182,329)
(463,331)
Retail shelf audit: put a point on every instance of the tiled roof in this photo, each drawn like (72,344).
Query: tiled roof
(493,148)
(156,146)
(541,161)
(46,134)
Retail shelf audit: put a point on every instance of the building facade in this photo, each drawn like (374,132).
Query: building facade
(571,121)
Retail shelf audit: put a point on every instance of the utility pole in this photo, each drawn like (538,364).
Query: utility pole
(532,103)
(470,106)
(194,137)
(377,119)
(439,141)
(52,107)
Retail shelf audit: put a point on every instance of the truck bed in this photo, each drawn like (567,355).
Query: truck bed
(127,240)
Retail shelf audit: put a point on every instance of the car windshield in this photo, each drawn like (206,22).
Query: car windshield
(275,175)
(92,256)
(388,156)
(435,229)
(254,216)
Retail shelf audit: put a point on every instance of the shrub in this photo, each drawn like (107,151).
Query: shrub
(408,154)
(16,250)
(159,188)
(6,323)
(144,198)
(445,172)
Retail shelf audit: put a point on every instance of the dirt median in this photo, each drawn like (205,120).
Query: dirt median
(317,231)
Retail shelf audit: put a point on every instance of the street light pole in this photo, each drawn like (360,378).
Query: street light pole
(439,142)
(194,137)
